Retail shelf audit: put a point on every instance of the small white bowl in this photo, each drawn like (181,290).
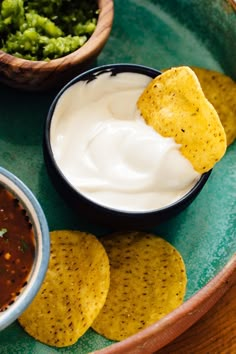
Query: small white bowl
(38,221)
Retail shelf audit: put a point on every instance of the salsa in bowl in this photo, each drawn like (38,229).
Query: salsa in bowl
(24,247)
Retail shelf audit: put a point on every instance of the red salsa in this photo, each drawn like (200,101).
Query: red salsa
(17,248)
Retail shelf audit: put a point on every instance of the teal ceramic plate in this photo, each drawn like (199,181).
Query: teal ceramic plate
(160,34)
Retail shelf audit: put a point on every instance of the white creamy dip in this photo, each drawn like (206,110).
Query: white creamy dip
(107,151)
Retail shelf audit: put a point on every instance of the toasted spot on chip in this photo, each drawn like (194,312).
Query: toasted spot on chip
(73,292)
(220,90)
(147,281)
(175,106)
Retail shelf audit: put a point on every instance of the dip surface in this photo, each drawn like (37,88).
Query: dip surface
(16,248)
(109,154)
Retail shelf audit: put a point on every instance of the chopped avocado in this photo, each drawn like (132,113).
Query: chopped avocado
(45,30)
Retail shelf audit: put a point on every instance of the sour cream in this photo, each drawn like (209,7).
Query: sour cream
(107,151)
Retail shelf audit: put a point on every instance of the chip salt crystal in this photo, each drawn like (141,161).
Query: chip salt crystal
(175,106)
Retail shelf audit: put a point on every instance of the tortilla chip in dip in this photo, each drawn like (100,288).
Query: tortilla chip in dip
(175,106)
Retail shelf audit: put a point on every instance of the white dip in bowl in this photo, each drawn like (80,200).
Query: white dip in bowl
(109,154)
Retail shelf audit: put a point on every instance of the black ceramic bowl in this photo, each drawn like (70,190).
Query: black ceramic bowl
(114,218)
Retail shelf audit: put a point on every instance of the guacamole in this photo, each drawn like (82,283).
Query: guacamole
(46,29)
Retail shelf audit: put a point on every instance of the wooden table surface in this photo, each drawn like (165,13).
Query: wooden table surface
(214,333)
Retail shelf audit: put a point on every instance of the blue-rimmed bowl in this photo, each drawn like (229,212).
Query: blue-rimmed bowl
(115,218)
(38,221)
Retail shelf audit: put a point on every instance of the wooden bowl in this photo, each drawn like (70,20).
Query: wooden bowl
(41,75)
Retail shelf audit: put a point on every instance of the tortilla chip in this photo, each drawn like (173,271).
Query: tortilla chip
(73,292)
(148,280)
(175,106)
(220,90)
